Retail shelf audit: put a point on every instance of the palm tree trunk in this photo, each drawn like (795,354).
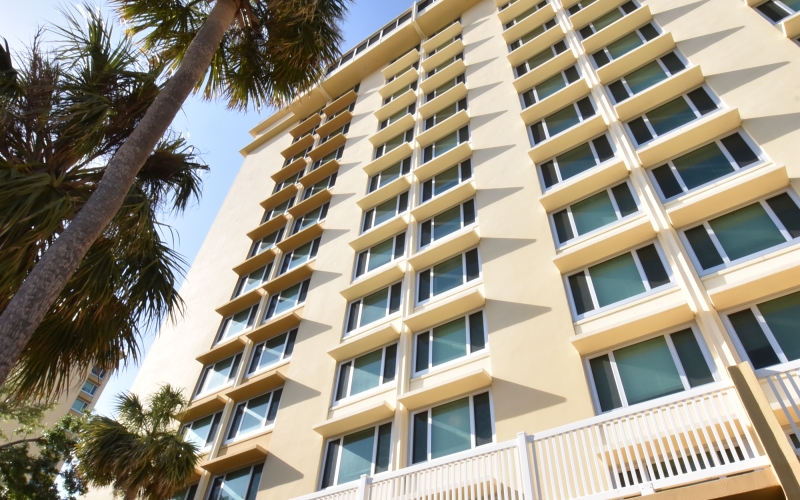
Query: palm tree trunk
(41,288)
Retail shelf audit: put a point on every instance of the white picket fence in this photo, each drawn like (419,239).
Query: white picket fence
(687,438)
(783,388)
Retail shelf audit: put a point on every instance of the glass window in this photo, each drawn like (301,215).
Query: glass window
(412,87)
(89,388)
(409,110)
(255,414)
(441,89)
(312,217)
(280,209)
(550,86)
(402,71)
(380,254)
(373,307)
(385,211)
(561,120)
(349,457)
(444,65)
(674,114)
(445,144)
(445,113)
(287,182)
(334,155)
(79,405)
(447,222)
(575,161)
(525,14)
(443,45)
(601,209)
(187,494)
(645,77)
(580,6)
(777,10)
(617,279)
(651,369)
(98,372)
(341,130)
(237,323)
(447,275)
(744,232)
(220,374)
(767,332)
(607,19)
(287,299)
(704,165)
(202,431)
(627,43)
(535,32)
(322,185)
(450,341)
(241,484)
(265,243)
(253,280)
(394,143)
(541,58)
(366,372)
(389,174)
(272,351)
(446,180)
(299,256)
(452,427)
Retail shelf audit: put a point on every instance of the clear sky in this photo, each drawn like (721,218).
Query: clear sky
(217,132)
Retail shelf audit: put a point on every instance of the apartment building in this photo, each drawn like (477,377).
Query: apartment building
(528,249)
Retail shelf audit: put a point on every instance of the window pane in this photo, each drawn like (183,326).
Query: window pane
(239,323)
(300,255)
(746,231)
(562,120)
(702,165)
(273,351)
(446,180)
(581,294)
(647,370)
(783,318)
(254,414)
(366,372)
(389,174)
(483,419)
(235,485)
(383,453)
(423,342)
(220,373)
(652,266)
(670,116)
(356,455)
(446,113)
(772,11)
(330,463)
(563,227)
(753,339)
(446,143)
(476,334)
(381,254)
(667,182)
(739,149)
(197,433)
(787,212)
(576,161)
(703,248)
(448,275)
(604,383)
(374,306)
(540,58)
(450,428)
(447,222)
(550,86)
(616,279)
(449,341)
(254,279)
(645,77)
(288,299)
(593,212)
(692,359)
(624,199)
(419,453)
(385,211)
(624,45)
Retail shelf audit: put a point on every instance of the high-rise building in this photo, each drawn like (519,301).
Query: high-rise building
(516,250)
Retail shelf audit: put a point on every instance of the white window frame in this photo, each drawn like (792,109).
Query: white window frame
(301,223)
(546,129)
(553,22)
(241,283)
(382,386)
(298,303)
(370,213)
(444,366)
(185,427)
(90,394)
(611,59)
(355,331)
(284,357)
(312,255)
(433,218)
(329,182)
(780,5)
(201,391)
(264,426)
(594,153)
(368,257)
(249,479)
(553,51)
(432,179)
(83,407)
(335,472)
(436,93)
(618,8)
(379,176)
(567,83)
(224,327)
(464,282)
(687,65)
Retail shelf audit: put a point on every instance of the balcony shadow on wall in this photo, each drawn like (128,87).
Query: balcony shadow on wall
(294,392)
(344,167)
(486,197)
(768,128)
(722,83)
(332,234)
(355,139)
(280,473)
(358,117)
(520,399)
(479,121)
(319,278)
(675,13)
(482,155)
(309,329)
(338,198)
(477,43)
(492,248)
(692,46)
(477,66)
(476,92)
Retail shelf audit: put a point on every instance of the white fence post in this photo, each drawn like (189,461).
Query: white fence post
(525,465)
(361,492)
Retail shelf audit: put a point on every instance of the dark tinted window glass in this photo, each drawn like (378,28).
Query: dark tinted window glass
(469,212)
(425,233)
(473,267)
(384,448)
(787,211)
(466,170)
(274,404)
(477,337)
(483,419)
(648,31)
(330,462)
(600,58)
(572,74)
(640,131)
(702,100)
(586,108)
(692,360)
(390,363)
(624,198)
(563,227)
(652,265)
(549,174)
(424,285)
(399,245)
(667,182)
(394,298)
(537,131)
(344,377)
(419,452)
(423,341)
(705,251)
(673,63)
(603,148)
(739,149)
(604,383)
(753,340)
(580,293)
(772,11)
(618,90)
(290,343)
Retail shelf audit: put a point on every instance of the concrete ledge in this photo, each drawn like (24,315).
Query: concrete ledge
(341,102)
(310,203)
(635,58)
(442,162)
(660,93)
(223,350)
(372,414)
(446,34)
(443,128)
(258,384)
(452,387)
(204,406)
(791,26)
(552,103)
(374,281)
(276,199)
(584,184)
(240,302)
(389,159)
(538,44)
(616,29)
(268,227)
(566,140)
(301,237)
(450,96)
(393,130)
(298,146)
(329,146)
(384,193)
(319,173)
(381,232)
(448,199)
(514,10)
(366,341)
(446,53)
(403,61)
(396,104)
(290,169)
(255,262)
(450,245)
(334,124)
(537,18)
(592,12)
(289,278)
(240,458)
(436,312)
(402,81)
(306,125)
(544,71)
(276,325)
(448,73)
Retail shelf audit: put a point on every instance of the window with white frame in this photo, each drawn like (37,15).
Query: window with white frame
(746,232)
(287,299)
(89,388)
(319,186)
(672,115)
(444,65)
(344,129)
(265,243)
(279,186)
(347,458)
(237,323)
(577,160)
(294,158)
(445,144)
(596,211)
(389,174)
(310,218)
(444,276)
(98,372)
(777,10)
(408,110)
(441,89)
(333,155)
(79,405)
(305,134)
(252,280)
(627,43)
(447,222)
(563,119)
(550,86)
(402,72)
(277,210)
(446,180)
(380,254)
(218,375)
(443,45)
(201,432)
(272,351)
(445,113)
(647,76)
(453,340)
(575,8)
(381,213)
(412,87)
(617,279)
(366,372)
(240,484)
(394,143)
(187,494)
(254,415)
(535,32)
(651,369)
(540,58)
(373,307)
(526,14)
(607,19)
(299,256)
(351,107)
(452,427)
(766,333)
(705,164)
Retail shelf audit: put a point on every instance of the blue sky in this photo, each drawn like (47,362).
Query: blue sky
(216,131)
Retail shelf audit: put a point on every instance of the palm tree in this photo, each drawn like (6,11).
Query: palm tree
(250,52)
(141,454)
(63,114)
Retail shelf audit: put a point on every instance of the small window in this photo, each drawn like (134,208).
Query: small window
(98,372)
(366,372)
(443,45)
(705,164)
(446,180)
(402,72)
(389,174)
(409,110)
(380,254)
(255,414)
(287,299)
(550,86)
(535,32)
(89,388)
(294,158)
(280,209)
(237,323)
(541,58)
(219,375)
(272,351)
(448,342)
(607,19)
(299,256)
(447,275)
(79,405)
(447,222)
(580,6)
(745,232)
(265,243)
(253,280)
(627,43)
(651,369)
(394,143)
(647,76)
(201,432)
(187,494)
(445,113)
(766,333)
(344,129)
(304,134)
(452,427)
(672,115)
(333,155)
(326,183)
(373,307)
(445,144)
(777,10)
(441,89)
(525,14)
(342,111)
(411,87)
(444,65)
(384,212)
(242,483)
(280,186)
(563,119)
(596,211)
(310,218)
(349,457)
(577,160)
(618,279)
